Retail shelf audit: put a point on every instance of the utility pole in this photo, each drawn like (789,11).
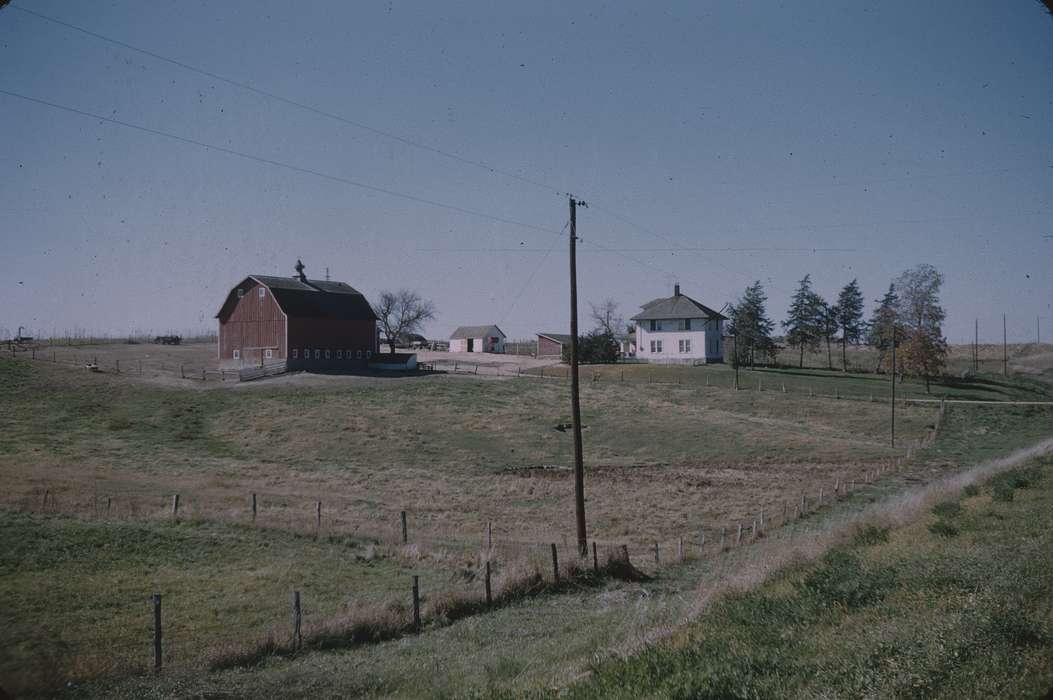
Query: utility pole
(892,403)
(1038,331)
(1005,350)
(735,358)
(976,346)
(575,402)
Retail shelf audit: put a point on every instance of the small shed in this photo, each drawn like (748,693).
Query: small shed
(478,339)
(550,345)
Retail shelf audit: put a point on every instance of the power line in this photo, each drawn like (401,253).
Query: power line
(276,163)
(537,269)
(294,103)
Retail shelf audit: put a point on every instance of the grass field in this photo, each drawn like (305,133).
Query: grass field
(663,460)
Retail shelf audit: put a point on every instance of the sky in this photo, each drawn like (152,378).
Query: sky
(715,143)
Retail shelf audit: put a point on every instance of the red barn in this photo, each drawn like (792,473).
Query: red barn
(308,324)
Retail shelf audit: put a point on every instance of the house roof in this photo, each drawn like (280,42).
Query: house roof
(311,299)
(561,338)
(476,332)
(676,306)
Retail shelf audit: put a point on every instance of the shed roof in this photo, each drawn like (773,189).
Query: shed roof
(676,306)
(561,338)
(311,299)
(476,332)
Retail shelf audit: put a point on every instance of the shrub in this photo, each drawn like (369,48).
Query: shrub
(871,535)
(841,579)
(943,528)
(1017,627)
(971,490)
(947,509)
(1002,492)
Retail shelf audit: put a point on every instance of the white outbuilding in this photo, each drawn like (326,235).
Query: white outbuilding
(478,339)
(677,330)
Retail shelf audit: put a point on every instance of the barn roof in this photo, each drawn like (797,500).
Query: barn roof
(561,338)
(476,332)
(676,306)
(311,299)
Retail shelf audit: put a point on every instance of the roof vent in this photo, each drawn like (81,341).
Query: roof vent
(676,289)
(299,271)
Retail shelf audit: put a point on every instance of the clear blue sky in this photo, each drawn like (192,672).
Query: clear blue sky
(896,132)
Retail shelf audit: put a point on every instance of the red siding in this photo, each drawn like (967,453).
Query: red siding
(546,347)
(253,326)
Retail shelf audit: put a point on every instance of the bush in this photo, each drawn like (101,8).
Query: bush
(947,509)
(1002,492)
(871,535)
(841,579)
(1019,628)
(971,490)
(942,528)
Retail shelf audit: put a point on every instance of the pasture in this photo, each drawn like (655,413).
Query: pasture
(664,461)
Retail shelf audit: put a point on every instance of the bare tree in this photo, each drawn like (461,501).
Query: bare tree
(606,317)
(402,312)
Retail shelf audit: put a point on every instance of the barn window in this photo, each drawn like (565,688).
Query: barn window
(358,355)
(347,354)
(339,354)
(307,353)
(327,353)
(241,293)
(263,292)
(317,354)
(269,354)
(295,353)
(369,354)
(237,354)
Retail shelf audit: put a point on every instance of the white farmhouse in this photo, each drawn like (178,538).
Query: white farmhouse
(678,329)
(478,339)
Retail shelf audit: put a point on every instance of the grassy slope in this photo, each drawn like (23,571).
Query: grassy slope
(958,605)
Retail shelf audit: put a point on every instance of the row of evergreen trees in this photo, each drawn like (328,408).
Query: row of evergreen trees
(909,314)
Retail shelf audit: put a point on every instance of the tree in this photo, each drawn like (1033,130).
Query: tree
(883,324)
(828,317)
(919,310)
(750,324)
(597,347)
(849,318)
(606,317)
(401,313)
(804,324)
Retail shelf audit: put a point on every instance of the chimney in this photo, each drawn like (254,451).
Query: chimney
(299,271)
(676,289)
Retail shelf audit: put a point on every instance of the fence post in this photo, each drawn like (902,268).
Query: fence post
(117,365)
(738,535)
(762,519)
(318,515)
(202,374)
(44,501)
(489,595)
(656,560)
(753,530)
(405,531)
(416,602)
(489,535)
(297,617)
(175,505)
(625,553)
(723,533)
(157,632)
(182,374)
(108,500)
(820,496)
(555,564)
(253,507)
(595,559)
(701,539)
(680,549)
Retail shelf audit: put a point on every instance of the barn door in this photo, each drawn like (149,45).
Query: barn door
(471,345)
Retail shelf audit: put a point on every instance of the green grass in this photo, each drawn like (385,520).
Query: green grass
(921,615)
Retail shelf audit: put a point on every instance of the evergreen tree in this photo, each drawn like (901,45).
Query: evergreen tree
(883,324)
(750,324)
(849,318)
(804,324)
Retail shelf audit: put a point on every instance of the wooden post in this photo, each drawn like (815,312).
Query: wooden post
(595,559)
(723,532)
(837,487)
(318,515)
(656,560)
(44,501)
(117,365)
(489,535)
(182,374)
(157,632)
(820,496)
(762,519)
(680,549)
(785,511)
(555,564)
(53,356)
(202,374)
(175,505)
(753,530)
(405,531)
(804,504)
(416,603)
(625,553)
(297,618)
(489,595)
(738,535)
(253,507)
(108,501)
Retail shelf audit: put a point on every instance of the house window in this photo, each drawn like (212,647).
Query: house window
(237,354)
(295,353)
(681,346)
(327,353)
(687,324)
(659,344)
(317,354)
(358,355)
(654,325)
(652,346)
(268,353)
(339,354)
(263,292)
(241,293)
(685,345)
